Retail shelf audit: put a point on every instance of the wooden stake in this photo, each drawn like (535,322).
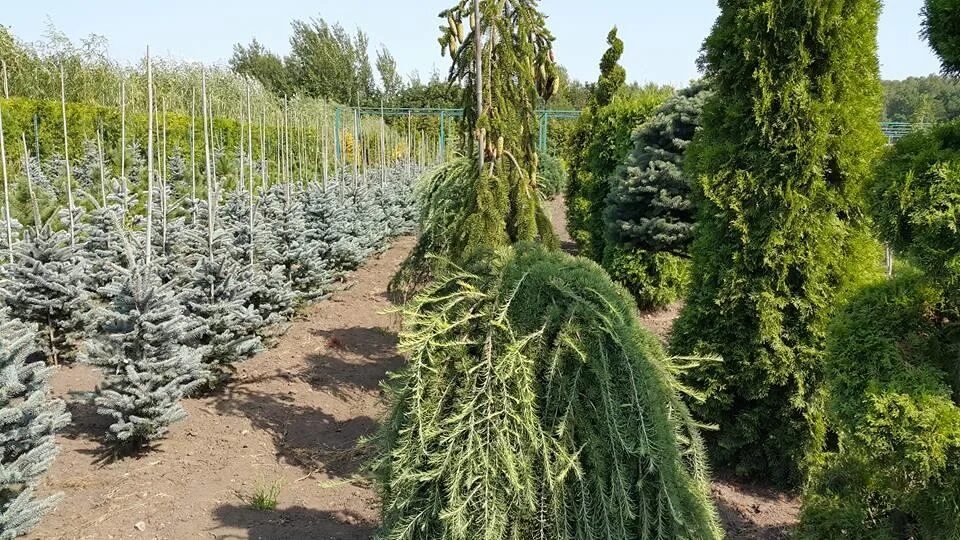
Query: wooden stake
(123,142)
(150,120)
(33,197)
(208,168)
(6,190)
(163,180)
(324,139)
(66,158)
(103,180)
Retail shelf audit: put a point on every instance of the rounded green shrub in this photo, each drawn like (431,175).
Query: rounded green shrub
(535,406)
(655,280)
(915,201)
(891,465)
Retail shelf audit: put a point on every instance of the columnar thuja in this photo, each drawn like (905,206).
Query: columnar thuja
(786,145)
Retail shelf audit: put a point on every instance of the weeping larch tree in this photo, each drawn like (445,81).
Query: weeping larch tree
(786,145)
(533,404)
(488,198)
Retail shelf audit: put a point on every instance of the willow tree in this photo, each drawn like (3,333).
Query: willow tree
(787,142)
(489,198)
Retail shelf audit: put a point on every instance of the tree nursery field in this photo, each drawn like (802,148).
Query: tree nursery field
(233,306)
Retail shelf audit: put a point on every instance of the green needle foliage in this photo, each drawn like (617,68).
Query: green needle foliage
(887,464)
(499,204)
(892,470)
(787,141)
(941,21)
(534,406)
(649,215)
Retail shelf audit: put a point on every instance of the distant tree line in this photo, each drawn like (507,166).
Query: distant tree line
(928,99)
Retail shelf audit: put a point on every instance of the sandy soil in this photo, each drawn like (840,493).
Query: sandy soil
(295,416)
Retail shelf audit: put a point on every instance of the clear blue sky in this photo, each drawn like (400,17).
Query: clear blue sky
(662,36)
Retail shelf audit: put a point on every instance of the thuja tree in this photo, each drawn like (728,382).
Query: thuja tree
(496,204)
(29,418)
(598,145)
(649,216)
(786,144)
(146,367)
(534,406)
(886,465)
(941,20)
(578,197)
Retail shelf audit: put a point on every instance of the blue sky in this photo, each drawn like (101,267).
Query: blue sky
(662,36)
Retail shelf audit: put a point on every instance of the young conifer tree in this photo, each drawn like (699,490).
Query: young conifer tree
(649,206)
(29,418)
(787,141)
(104,240)
(44,286)
(289,247)
(649,217)
(146,367)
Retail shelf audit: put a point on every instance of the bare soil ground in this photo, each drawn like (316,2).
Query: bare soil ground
(294,417)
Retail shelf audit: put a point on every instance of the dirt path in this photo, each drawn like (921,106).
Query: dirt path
(294,416)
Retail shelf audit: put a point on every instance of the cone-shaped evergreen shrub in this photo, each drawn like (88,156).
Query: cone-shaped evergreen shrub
(282,215)
(218,295)
(146,368)
(44,286)
(649,216)
(105,242)
(534,406)
(787,140)
(600,143)
(29,417)
(649,206)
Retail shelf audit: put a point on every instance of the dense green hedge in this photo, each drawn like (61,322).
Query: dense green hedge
(787,141)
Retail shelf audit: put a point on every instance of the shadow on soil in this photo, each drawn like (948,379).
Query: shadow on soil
(353,360)
(303,436)
(291,523)
(740,527)
(332,372)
